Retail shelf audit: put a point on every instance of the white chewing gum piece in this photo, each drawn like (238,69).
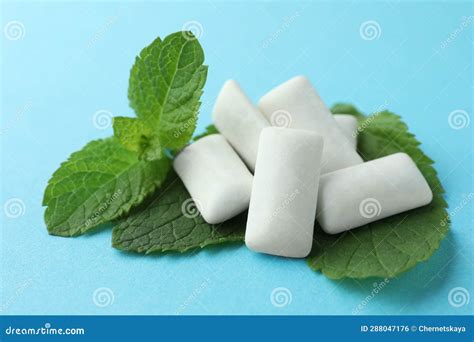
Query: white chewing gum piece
(296,104)
(239,121)
(348,125)
(371,191)
(284,194)
(216,178)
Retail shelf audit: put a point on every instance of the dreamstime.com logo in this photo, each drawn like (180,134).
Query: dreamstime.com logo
(98,213)
(281,118)
(103,296)
(377,288)
(286,202)
(191,208)
(458,119)
(368,121)
(285,25)
(452,213)
(370,30)
(463,26)
(458,297)
(102,31)
(14,208)
(47,329)
(15,119)
(184,128)
(17,294)
(281,297)
(102,119)
(370,208)
(194,296)
(193,26)
(14,30)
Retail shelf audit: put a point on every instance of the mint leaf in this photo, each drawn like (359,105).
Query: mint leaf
(211,129)
(171,222)
(97,184)
(136,136)
(106,178)
(165,86)
(345,108)
(393,245)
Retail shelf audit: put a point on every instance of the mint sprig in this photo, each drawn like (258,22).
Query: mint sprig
(165,86)
(105,179)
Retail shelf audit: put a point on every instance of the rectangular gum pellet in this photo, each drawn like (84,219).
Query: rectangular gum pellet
(371,191)
(239,121)
(348,125)
(217,179)
(296,104)
(284,194)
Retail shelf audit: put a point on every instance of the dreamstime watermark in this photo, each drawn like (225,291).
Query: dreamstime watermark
(377,288)
(101,32)
(14,208)
(370,30)
(193,26)
(458,297)
(457,209)
(281,297)
(281,118)
(20,112)
(47,329)
(102,119)
(286,202)
(103,296)
(458,119)
(17,294)
(284,26)
(184,128)
(360,128)
(14,30)
(102,208)
(370,208)
(193,296)
(465,22)
(368,121)
(191,208)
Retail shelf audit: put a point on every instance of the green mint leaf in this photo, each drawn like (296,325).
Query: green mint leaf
(97,184)
(395,244)
(166,83)
(170,221)
(344,108)
(135,136)
(211,129)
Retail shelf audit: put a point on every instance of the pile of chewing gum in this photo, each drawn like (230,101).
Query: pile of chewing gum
(290,161)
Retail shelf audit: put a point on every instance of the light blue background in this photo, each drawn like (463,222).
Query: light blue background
(74,60)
